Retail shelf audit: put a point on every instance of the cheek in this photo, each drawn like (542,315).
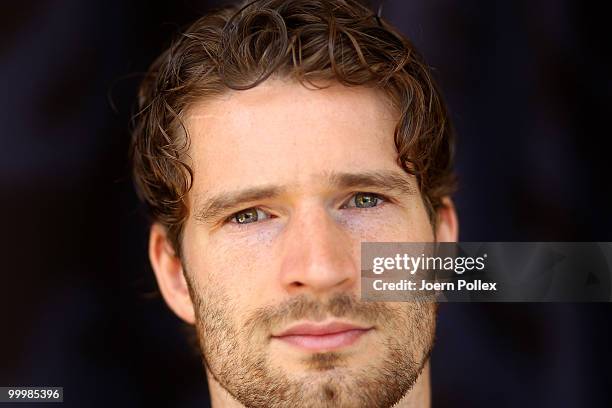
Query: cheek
(235,265)
(244,253)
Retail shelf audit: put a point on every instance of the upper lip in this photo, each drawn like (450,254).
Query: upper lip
(319,329)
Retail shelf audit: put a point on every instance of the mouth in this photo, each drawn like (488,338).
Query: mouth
(316,337)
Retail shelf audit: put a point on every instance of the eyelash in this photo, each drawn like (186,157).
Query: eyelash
(381,199)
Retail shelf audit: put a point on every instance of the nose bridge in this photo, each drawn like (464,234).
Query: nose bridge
(318,253)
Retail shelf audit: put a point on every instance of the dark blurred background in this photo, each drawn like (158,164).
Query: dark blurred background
(528,85)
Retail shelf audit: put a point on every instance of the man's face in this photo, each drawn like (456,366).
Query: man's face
(288,183)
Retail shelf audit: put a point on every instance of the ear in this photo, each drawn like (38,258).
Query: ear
(169,274)
(447,229)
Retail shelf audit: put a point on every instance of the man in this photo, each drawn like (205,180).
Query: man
(273,139)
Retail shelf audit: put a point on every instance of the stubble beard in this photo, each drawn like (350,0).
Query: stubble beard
(235,355)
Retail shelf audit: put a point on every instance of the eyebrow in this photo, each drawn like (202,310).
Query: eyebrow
(215,206)
(387,180)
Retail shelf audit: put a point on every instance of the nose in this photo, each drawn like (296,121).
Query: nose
(318,256)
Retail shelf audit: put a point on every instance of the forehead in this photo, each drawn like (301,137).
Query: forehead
(283,133)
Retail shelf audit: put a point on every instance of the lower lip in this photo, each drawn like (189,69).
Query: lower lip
(324,341)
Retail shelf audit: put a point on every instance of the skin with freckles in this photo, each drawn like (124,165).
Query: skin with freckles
(288,182)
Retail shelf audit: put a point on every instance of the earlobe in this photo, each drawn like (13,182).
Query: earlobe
(447,229)
(169,274)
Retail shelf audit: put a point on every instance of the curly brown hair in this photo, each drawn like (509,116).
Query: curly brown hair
(312,41)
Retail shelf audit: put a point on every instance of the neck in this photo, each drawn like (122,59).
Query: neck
(418,397)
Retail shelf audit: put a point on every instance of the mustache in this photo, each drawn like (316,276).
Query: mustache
(341,305)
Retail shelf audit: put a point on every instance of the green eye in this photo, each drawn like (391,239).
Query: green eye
(248,216)
(364,200)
